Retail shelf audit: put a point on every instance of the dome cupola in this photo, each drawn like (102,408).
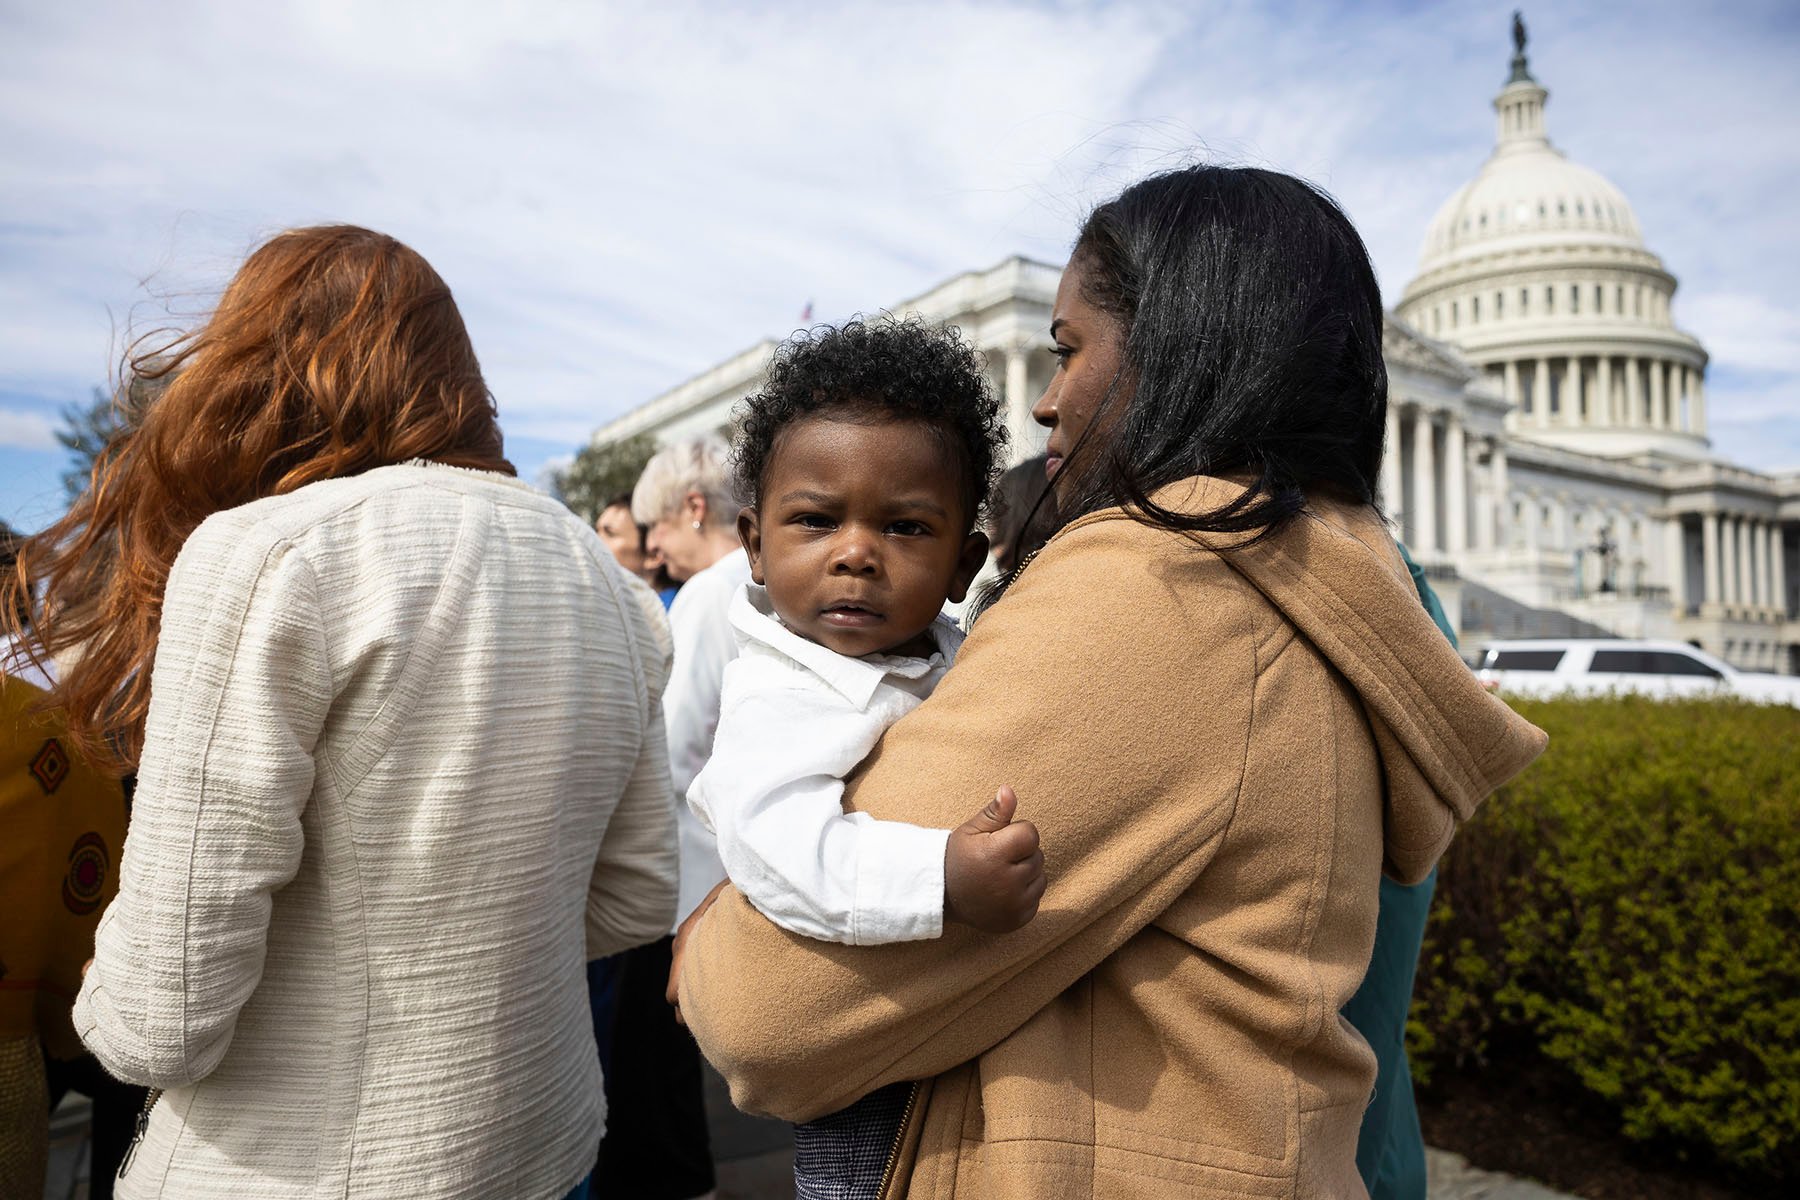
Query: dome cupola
(1537,271)
(1528,191)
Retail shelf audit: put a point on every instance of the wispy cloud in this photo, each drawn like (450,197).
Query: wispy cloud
(1750,331)
(623,195)
(27,430)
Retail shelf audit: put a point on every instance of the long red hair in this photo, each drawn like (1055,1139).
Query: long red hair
(333,350)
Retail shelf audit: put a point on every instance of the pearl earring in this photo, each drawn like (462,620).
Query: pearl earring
(696,524)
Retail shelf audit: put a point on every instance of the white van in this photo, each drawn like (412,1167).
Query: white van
(1593,666)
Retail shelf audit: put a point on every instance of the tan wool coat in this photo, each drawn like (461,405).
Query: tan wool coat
(1222,751)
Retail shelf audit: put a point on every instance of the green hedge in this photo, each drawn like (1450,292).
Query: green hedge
(1631,907)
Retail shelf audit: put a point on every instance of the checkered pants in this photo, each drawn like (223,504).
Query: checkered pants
(842,1156)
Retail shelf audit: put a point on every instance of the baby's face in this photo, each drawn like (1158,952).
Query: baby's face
(862,534)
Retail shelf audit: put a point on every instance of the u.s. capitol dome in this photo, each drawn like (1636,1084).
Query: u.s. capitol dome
(1538,272)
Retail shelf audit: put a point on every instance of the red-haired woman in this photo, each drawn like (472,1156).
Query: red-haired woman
(401,763)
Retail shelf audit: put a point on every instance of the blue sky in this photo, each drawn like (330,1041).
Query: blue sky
(623,195)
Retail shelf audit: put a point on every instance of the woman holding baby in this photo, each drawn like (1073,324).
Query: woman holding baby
(1218,700)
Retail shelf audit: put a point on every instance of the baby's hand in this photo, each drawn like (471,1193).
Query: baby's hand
(993,869)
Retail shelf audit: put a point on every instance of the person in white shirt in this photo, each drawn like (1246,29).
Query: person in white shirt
(866,458)
(686,501)
(658,1147)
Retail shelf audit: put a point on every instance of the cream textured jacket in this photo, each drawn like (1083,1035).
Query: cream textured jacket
(1221,749)
(404,773)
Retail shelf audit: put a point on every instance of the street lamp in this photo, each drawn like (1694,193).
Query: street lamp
(1606,548)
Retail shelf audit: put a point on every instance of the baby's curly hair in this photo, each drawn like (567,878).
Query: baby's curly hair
(876,370)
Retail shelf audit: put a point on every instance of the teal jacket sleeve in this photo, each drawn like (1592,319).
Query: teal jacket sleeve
(1390,1153)
(1427,597)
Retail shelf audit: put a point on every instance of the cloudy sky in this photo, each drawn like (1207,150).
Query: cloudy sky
(623,194)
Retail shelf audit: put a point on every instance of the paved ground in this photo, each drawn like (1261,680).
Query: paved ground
(756,1159)
(1452,1178)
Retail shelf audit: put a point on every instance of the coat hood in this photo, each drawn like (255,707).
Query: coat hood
(1445,742)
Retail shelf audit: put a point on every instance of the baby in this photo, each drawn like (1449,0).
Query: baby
(865,459)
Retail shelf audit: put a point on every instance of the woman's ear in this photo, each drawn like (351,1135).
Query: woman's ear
(693,509)
(968,565)
(750,533)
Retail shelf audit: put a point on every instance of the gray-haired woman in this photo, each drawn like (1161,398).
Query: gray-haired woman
(685,497)
(657,1144)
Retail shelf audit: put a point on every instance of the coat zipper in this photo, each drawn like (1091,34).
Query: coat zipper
(139,1130)
(893,1158)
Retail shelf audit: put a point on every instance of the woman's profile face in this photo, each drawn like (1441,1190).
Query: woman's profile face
(620,533)
(1089,352)
(679,542)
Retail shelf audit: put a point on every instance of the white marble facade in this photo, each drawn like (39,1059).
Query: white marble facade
(1546,452)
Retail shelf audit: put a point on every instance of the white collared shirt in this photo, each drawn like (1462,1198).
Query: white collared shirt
(795,719)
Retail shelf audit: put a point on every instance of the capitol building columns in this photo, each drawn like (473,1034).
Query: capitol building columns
(1774,577)
(1674,562)
(1422,510)
(1744,607)
(1778,569)
(1018,397)
(1737,554)
(1393,494)
(1492,500)
(1600,393)
(1443,504)
(1712,568)
(1500,490)
(1765,565)
(1456,488)
(1775,556)
(1746,563)
(1728,576)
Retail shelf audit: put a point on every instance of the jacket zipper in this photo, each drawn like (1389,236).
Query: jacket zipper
(138,1131)
(893,1158)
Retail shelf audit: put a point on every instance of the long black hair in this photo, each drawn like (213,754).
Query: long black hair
(1252,348)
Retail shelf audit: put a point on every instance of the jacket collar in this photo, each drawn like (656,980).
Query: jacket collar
(856,679)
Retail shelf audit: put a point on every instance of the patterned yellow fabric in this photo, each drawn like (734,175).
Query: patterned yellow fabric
(65,824)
